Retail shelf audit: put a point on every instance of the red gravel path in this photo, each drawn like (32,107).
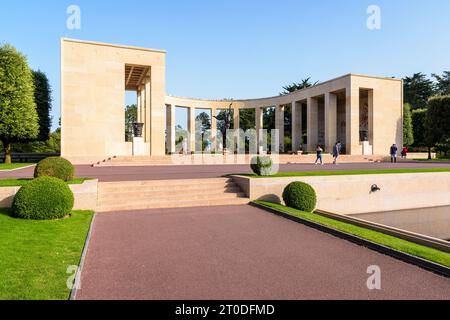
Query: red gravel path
(208,171)
(236,252)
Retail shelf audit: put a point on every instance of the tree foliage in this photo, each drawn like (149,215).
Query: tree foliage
(202,125)
(130,118)
(52,145)
(438,121)
(18,115)
(408,135)
(418,118)
(295,86)
(43,99)
(443,83)
(247,118)
(417,90)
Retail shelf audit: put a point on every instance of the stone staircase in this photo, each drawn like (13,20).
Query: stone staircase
(139,195)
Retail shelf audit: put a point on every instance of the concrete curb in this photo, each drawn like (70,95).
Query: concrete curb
(17,169)
(74,291)
(405,257)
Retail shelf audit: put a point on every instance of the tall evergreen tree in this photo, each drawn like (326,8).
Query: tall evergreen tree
(443,83)
(295,86)
(43,99)
(408,136)
(419,127)
(438,120)
(417,90)
(18,115)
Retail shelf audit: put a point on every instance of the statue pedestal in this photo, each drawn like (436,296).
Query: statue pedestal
(138,146)
(367,149)
(261,150)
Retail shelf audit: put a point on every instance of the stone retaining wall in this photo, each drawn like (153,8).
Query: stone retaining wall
(85,195)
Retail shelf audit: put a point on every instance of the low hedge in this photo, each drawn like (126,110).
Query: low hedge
(56,167)
(43,198)
(262,166)
(301,196)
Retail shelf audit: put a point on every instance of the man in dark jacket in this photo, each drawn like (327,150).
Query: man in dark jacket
(336,151)
(393,153)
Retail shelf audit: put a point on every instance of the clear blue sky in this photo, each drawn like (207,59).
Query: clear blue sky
(238,48)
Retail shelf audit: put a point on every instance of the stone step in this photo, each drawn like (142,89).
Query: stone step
(136,195)
(171,204)
(161,185)
(229,159)
(164,194)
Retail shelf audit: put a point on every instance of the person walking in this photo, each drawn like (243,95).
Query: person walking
(336,151)
(393,153)
(404,152)
(319,152)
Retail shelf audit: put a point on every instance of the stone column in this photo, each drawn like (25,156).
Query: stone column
(191,128)
(170,124)
(296,126)
(236,139)
(236,118)
(312,119)
(330,121)
(213,129)
(259,123)
(352,121)
(279,124)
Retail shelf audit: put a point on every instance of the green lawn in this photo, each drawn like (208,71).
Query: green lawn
(21,182)
(433,160)
(434,255)
(348,172)
(12,166)
(35,255)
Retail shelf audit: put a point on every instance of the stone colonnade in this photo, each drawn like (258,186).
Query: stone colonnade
(312,122)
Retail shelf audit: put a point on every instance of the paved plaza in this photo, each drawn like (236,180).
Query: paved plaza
(134,173)
(236,252)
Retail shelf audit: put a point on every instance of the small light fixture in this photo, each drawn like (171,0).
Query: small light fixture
(374,188)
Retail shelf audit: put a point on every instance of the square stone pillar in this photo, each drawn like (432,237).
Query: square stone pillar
(170,125)
(371,120)
(279,124)
(313,125)
(330,121)
(139,105)
(296,126)
(191,128)
(353,146)
(156,111)
(259,123)
(147,110)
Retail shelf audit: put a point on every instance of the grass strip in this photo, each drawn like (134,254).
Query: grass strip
(411,248)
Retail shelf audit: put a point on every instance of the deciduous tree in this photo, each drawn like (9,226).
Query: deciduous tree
(18,115)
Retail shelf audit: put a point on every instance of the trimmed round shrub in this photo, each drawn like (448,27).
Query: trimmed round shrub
(56,167)
(301,196)
(262,166)
(43,198)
